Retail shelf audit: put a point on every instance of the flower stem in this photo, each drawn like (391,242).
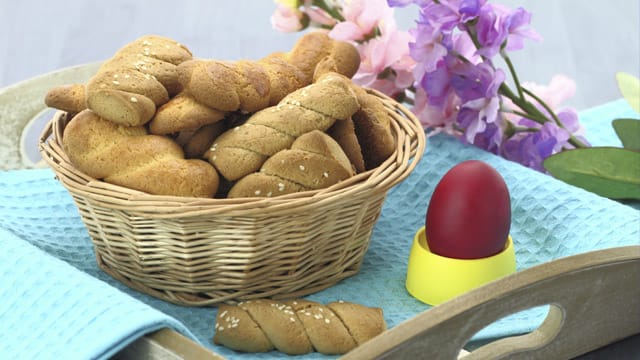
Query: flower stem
(528,116)
(512,70)
(330,10)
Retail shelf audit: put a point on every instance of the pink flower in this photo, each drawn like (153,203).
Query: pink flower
(319,16)
(386,54)
(441,119)
(361,19)
(560,89)
(287,19)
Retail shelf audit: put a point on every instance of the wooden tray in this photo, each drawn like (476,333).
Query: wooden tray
(594,297)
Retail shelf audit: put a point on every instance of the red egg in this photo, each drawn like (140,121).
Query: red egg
(469,214)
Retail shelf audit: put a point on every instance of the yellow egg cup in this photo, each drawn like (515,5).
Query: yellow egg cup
(434,279)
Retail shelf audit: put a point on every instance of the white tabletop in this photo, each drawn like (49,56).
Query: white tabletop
(587,40)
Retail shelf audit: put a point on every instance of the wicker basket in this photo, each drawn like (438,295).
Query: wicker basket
(200,252)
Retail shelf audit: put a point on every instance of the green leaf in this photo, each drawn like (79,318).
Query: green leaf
(628,130)
(629,86)
(607,171)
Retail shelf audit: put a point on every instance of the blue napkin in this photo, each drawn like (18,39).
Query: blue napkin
(50,310)
(550,220)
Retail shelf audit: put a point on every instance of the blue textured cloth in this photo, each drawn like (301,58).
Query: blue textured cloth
(53,296)
(49,309)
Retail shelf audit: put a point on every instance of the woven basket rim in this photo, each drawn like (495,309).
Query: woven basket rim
(410,145)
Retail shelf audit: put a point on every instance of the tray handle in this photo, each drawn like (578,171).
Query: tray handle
(22,105)
(593,298)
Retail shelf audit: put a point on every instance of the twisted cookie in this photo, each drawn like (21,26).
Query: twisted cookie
(140,77)
(250,86)
(128,156)
(243,149)
(296,327)
(314,161)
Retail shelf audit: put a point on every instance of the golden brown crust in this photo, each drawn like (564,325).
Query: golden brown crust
(182,113)
(250,86)
(196,143)
(280,324)
(141,76)
(373,129)
(296,327)
(242,150)
(127,156)
(324,329)
(70,98)
(314,161)
(345,134)
(362,322)
(230,334)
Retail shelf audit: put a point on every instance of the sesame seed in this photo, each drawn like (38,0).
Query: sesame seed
(116,82)
(295,303)
(236,128)
(126,76)
(213,158)
(115,76)
(325,174)
(341,301)
(134,99)
(223,313)
(301,167)
(269,194)
(292,319)
(280,187)
(221,328)
(257,192)
(146,42)
(327,321)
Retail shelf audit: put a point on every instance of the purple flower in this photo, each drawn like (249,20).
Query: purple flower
(470,9)
(499,26)
(531,148)
(403,3)
(474,81)
(426,49)
(474,116)
(569,119)
(519,29)
(492,29)
(437,84)
(490,139)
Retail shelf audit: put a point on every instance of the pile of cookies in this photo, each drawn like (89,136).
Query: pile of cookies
(158,120)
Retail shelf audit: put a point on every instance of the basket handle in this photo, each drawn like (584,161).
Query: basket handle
(22,105)
(594,301)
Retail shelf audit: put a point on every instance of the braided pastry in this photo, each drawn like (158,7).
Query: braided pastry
(129,157)
(296,327)
(140,77)
(314,161)
(250,86)
(243,149)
